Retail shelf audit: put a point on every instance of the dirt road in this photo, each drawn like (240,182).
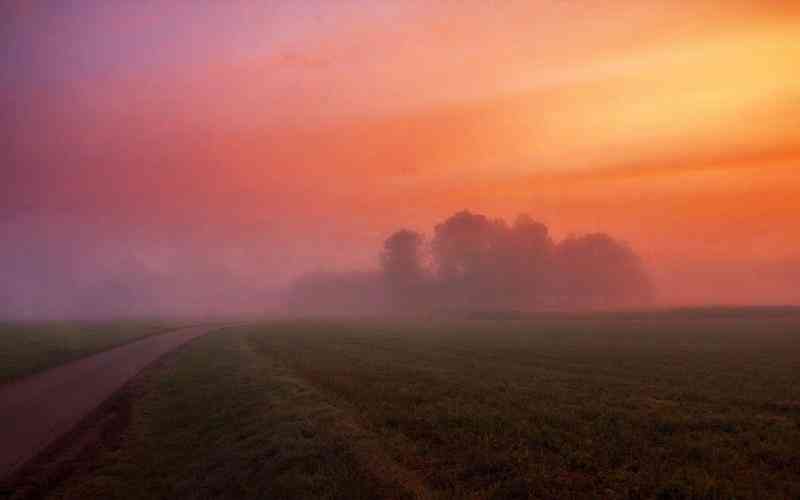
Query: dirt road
(36,410)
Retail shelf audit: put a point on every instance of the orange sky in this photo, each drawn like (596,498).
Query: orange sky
(675,127)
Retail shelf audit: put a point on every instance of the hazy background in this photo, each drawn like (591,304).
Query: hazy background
(198,156)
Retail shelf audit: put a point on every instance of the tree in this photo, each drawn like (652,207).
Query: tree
(524,258)
(462,244)
(597,271)
(403,267)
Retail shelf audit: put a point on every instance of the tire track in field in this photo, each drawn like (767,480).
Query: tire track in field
(341,425)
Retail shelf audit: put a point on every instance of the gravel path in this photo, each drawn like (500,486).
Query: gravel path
(38,409)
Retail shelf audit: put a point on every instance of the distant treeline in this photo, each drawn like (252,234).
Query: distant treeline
(477,265)
(677,313)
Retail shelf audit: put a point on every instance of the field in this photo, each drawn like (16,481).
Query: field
(603,407)
(27,348)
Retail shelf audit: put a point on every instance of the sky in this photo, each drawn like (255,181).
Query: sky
(268,139)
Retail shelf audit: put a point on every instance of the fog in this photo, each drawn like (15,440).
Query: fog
(64,269)
(71,266)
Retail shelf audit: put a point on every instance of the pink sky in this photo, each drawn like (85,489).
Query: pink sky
(284,138)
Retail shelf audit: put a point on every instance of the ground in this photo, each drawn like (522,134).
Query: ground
(611,407)
(27,348)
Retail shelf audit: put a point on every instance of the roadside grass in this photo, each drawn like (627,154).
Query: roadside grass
(27,348)
(662,408)
(220,421)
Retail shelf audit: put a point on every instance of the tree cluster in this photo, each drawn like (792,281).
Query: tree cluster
(474,263)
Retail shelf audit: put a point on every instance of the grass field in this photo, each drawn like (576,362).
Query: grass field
(582,408)
(26,348)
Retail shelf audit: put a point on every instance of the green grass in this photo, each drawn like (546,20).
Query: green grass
(606,407)
(223,421)
(27,348)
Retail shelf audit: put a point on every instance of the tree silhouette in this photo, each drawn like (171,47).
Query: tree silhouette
(482,264)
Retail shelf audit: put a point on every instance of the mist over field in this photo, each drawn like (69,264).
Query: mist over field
(67,267)
(472,263)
